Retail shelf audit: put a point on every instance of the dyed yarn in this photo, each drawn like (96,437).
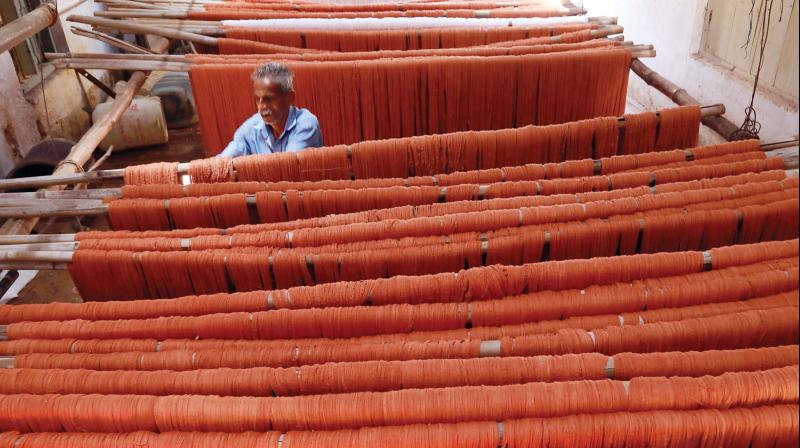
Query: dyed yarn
(715,285)
(212,170)
(757,426)
(435,155)
(549,78)
(393,375)
(153,173)
(411,406)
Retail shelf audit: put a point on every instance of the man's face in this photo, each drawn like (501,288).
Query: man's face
(272,103)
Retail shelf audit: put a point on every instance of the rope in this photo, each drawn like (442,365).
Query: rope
(751,127)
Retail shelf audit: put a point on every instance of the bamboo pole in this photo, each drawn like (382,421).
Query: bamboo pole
(133,27)
(215,27)
(82,150)
(51,209)
(134,4)
(10,201)
(109,64)
(25,207)
(780,145)
(110,40)
(504,4)
(60,179)
(182,34)
(16,31)
(60,247)
(168,14)
(45,256)
(788,154)
(680,96)
(95,193)
(42,238)
(68,57)
(143,65)
(183,168)
(59,242)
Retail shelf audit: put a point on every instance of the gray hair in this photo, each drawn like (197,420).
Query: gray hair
(277,73)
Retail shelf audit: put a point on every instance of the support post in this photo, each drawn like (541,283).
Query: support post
(16,31)
(680,96)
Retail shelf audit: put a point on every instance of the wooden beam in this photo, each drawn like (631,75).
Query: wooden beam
(16,31)
(133,4)
(789,156)
(133,27)
(110,40)
(680,96)
(143,65)
(82,151)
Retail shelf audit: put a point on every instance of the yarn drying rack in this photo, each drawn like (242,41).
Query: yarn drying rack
(183,168)
(586,333)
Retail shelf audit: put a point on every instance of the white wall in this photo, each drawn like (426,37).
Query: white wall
(80,44)
(675,28)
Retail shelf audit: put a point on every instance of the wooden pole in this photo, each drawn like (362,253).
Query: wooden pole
(110,40)
(81,152)
(184,14)
(45,238)
(79,58)
(215,28)
(59,179)
(69,57)
(788,154)
(11,202)
(183,168)
(133,4)
(54,209)
(133,27)
(16,31)
(68,246)
(144,65)
(95,193)
(678,95)
(26,207)
(45,256)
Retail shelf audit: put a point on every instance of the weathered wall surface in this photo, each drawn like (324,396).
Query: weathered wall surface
(18,130)
(675,28)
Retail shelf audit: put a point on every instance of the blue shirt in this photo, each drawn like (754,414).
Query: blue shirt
(254,137)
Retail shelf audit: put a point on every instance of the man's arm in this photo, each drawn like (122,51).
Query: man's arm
(234,149)
(305,135)
(239,146)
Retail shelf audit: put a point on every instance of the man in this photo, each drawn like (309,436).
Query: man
(278,126)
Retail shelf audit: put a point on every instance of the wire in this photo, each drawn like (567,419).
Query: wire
(751,127)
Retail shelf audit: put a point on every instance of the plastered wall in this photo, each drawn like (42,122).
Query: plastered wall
(675,28)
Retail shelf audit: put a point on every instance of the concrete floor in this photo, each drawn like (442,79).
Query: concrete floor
(57,286)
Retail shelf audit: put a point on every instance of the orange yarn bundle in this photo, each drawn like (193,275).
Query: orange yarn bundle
(418,158)
(374,115)
(756,426)
(576,284)
(123,413)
